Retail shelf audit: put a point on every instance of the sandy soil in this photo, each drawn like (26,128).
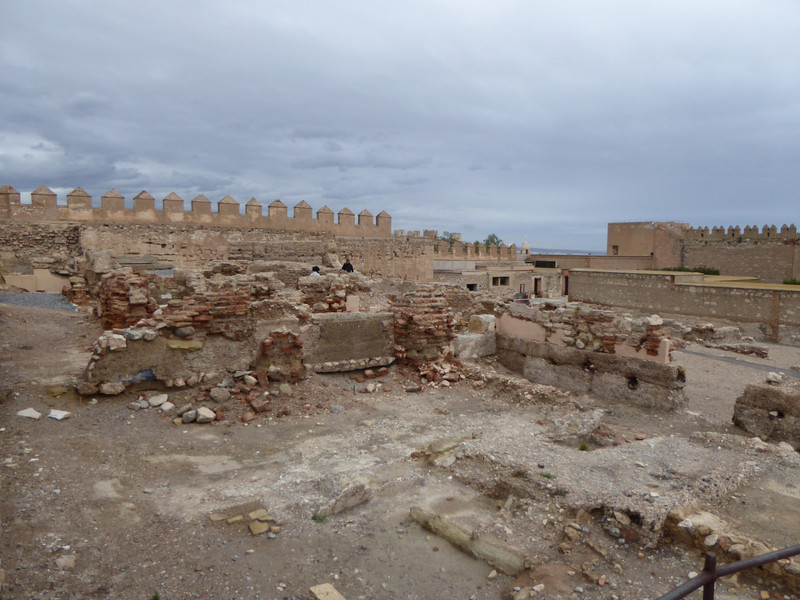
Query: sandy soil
(115,503)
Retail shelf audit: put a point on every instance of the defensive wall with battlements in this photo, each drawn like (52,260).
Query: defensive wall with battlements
(189,238)
(770,253)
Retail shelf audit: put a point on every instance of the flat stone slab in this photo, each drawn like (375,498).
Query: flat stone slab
(29,413)
(59,415)
(257,527)
(326,591)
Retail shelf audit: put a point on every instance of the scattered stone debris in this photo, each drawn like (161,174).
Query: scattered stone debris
(29,413)
(503,560)
(326,591)
(353,495)
(59,415)
(258,521)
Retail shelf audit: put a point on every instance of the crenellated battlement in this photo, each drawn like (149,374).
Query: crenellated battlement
(467,251)
(738,234)
(44,207)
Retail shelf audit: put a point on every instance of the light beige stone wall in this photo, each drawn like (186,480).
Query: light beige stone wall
(769,312)
(79,208)
(661,240)
(591,261)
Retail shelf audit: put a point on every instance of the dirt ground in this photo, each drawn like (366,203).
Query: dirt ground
(117,503)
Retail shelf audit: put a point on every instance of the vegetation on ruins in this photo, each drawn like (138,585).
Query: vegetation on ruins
(792,281)
(492,240)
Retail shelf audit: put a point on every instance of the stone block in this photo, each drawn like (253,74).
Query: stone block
(482,323)
(187,345)
(474,345)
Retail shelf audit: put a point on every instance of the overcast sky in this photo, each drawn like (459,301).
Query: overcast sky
(538,118)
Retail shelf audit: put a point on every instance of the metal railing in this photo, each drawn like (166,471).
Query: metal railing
(708,577)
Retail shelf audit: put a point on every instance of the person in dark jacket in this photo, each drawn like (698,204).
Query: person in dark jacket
(347,266)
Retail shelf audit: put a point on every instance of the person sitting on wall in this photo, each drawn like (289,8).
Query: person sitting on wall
(347,266)
(315,271)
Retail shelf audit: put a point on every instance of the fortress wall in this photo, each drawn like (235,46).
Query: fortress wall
(188,246)
(473,252)
(191,238)
(79,208)
(771,261)
(38,239)
(661,240)
(398,258)
(739,234)
(593,261)
(773,314)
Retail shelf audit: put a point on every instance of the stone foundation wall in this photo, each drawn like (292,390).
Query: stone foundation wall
(588,328)
(611,377)
(345,342)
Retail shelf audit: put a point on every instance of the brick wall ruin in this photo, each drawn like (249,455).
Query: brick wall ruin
(423,325)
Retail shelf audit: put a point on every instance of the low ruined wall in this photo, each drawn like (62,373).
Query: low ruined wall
(770,411)
(588,328)
(423,325)
(771,311)
(608,376)
(139,355)
(587,350)
(345,342)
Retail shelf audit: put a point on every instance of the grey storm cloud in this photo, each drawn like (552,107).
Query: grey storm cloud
(538,119)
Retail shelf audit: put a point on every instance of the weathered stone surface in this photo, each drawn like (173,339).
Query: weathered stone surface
(184,332)
(353,495)
(157,400)
(111,388)
(205,415)
(482,323)
(770,411)
(219,394)
(189,416)
(609,376)
(187,345)
(30,413)
(116,341)
(474,345)
(258,527)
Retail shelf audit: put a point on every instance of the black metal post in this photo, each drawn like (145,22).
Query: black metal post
(710,567)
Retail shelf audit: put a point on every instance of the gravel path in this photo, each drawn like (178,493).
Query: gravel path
(38,300)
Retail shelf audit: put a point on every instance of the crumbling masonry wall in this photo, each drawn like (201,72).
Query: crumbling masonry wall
(770,411)
(423,326)
(590,351)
